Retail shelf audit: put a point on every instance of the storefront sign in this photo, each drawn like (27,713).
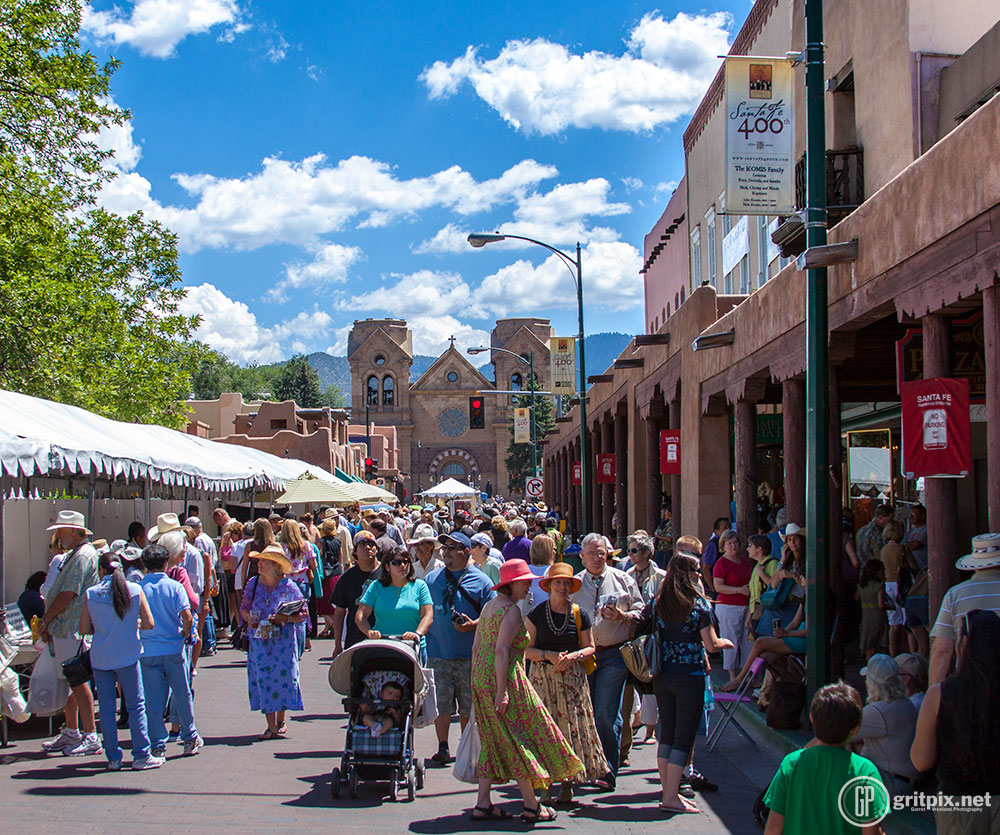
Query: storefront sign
(670,452)
(562,359)
(967,355)
(606,468)
(760,136)
(522,426)
(936,428)
(577,479)
(736,245)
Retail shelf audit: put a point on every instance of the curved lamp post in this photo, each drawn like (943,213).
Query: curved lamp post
(574,266)
(530,362)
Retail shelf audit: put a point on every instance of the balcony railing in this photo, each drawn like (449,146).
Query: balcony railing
(845,191)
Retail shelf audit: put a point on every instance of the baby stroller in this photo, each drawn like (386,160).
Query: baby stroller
(359,674)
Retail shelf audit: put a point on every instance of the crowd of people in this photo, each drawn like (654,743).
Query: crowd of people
(523,624)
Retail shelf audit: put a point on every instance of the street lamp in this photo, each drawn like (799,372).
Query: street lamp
(531,364)
(575,269)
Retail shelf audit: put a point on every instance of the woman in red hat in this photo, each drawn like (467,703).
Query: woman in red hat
(520,740)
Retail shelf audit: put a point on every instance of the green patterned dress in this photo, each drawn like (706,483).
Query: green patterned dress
(525,743)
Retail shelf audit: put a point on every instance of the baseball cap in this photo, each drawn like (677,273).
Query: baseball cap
(880,668)
(482,539)
(458,537)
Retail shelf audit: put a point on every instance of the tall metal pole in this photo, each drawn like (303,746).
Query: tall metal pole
(368,429)
(534,449)
(817,397)
(584,468)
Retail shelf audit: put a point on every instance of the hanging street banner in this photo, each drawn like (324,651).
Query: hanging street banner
(760,136)
(562,359)
(606,468)
(936,428)
(522,426)
(577,478)
(670,452)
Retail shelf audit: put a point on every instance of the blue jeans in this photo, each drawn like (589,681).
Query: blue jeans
(607,686)
(132,692)
(160,674)
(177,693)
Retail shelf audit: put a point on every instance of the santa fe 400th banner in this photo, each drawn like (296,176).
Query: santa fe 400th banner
(760,136)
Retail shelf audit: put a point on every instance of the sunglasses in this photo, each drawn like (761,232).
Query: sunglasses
(636,550)
(399,562)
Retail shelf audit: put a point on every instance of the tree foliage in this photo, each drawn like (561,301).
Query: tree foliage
(297,380)
(519,455)
(88,299)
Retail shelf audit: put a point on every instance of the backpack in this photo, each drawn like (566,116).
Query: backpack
(329,553)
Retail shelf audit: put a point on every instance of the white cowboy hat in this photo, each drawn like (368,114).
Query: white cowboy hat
(70,519)
(791,529)
(165,523)
(424,533)
(985,553)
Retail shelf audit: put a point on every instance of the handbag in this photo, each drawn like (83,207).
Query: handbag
(775,598)
(654,657)
(77,670)
(635,660)
(429,709)
(467,753)
(589,663)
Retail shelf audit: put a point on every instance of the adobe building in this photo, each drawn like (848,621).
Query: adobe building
(913,117)
(432,416)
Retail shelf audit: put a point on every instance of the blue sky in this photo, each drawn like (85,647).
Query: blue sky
(323,161)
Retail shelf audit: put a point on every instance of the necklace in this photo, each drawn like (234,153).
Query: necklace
(548,619)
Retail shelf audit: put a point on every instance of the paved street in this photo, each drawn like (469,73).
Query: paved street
(268,786)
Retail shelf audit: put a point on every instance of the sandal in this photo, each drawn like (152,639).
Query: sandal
(282,729)
(269,734)
(679,810)
(540,814)
(729,686)
(490,812)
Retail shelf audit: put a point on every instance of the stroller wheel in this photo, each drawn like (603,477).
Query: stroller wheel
(335,783)
(420,775)
(411,786)
(352,784)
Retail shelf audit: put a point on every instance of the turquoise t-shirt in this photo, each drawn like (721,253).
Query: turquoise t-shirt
(397,610)
(807,791)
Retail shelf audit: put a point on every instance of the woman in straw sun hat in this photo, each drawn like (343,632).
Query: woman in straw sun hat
(273,657)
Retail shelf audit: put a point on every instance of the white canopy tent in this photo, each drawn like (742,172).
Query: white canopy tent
(450,488)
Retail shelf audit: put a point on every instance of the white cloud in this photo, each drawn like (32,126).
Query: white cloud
(611,281)
(231,327)
(155,27)
(331,264)
(423,293)
(631,183)
(431,334)
(295,202)
(541,87)
(450,238)
(665,189)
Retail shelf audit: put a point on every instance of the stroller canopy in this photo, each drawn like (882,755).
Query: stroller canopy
(341,670)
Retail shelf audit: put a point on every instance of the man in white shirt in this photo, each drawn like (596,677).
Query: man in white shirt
(604,588)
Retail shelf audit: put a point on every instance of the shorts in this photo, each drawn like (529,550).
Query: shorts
(917,611)
(897,616)
(796,645)
(66,648)
(453,683)
(231,582)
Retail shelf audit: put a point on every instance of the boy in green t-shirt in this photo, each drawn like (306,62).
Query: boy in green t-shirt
(826,788)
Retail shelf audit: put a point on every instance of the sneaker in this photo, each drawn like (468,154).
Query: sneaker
(65,739)
(193,746)
(114,765)
(685,790)
(700,783)
(443,755)
(159,753)
(147,763)
(85,745)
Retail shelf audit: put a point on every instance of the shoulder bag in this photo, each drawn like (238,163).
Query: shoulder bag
(77,670)
(589,663)
(775,598)
(633,652)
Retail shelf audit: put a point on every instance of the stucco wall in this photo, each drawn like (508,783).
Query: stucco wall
(669,273)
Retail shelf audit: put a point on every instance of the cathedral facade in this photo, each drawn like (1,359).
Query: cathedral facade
(451,422)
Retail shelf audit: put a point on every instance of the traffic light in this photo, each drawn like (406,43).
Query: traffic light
(370,465)
(477,415)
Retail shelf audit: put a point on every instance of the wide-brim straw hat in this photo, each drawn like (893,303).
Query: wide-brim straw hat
(985,553)
(560,570)
(165,523)
(512,571)
(424,533)
(791,529)
(274,553)
(70,519)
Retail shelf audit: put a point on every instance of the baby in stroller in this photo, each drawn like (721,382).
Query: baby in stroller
(381,717)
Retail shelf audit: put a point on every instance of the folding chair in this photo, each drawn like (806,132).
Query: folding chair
(729,702)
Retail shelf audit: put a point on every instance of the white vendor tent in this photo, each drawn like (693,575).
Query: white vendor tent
(450,488)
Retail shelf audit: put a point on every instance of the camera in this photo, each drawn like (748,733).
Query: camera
(457,617)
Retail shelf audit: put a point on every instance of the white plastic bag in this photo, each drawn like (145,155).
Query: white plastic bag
(429,709)
(12,702)
(47,690)
(467,755)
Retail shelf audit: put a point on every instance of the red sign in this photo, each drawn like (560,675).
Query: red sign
(670,452)
(577,477)
(936,428)
(606,468)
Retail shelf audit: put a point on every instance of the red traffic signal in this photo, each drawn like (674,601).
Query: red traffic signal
(477,415)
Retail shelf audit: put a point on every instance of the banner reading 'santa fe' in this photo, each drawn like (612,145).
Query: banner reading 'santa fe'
(760,136)
(562,354)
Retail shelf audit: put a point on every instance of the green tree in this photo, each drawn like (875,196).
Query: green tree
(297,380)
(89,301)
(519,455)
(333,397)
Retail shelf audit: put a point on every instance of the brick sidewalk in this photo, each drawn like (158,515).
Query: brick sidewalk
(238,781)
